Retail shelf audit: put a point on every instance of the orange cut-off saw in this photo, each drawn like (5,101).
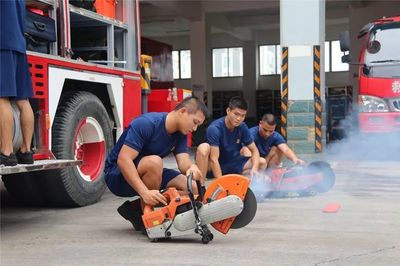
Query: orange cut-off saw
(227,203)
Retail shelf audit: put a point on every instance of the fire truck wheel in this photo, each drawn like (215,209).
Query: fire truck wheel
(24,188)
(81,130)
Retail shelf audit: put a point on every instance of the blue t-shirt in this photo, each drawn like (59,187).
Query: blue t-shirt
(12,25)
(147,135)
(229,142)
(264,145)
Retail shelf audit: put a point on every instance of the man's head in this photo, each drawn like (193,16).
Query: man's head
(236,111)
(267,125)
(191,114)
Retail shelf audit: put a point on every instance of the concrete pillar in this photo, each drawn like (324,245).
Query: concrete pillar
(302,28)
(201,60)
(250,75)
(201,69)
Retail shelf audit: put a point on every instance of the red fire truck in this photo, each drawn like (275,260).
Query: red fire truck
(81,105)
(379,75)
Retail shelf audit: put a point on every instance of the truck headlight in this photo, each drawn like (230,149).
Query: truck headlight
(372,104)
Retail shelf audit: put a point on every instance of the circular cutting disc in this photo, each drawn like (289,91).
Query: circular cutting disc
(248,212)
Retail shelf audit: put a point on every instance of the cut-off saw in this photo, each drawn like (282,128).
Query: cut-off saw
(227,203)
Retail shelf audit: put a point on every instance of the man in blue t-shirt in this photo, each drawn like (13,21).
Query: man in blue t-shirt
(15,83)
(225,138)
(271,145)
(134,167)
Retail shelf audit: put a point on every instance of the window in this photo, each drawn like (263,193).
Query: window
(327,57)
(333,57)
(181,64)
(175,64)
(270,59)
(337,64)
(227,62)
(278,59)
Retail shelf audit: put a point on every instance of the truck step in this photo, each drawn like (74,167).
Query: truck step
(38,166)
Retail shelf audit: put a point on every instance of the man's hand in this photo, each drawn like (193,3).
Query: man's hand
(299,162)
(253,172)
(196,172)
(153,197)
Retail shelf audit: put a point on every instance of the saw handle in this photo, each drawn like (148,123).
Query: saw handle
(200,191)
(190,186)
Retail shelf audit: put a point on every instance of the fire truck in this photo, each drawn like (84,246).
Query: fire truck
(86,91)
(379,75)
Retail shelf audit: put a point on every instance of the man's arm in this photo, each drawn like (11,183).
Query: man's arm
(284,148)
(214,163)
(185,165)
(255,157)
(131,175)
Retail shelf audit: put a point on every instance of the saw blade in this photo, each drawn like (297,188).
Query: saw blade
(248,212)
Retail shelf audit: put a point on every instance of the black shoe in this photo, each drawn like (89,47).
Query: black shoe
(9,160)
(132,214)
(25,158)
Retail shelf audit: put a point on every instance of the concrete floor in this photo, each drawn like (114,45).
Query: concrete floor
(365,231)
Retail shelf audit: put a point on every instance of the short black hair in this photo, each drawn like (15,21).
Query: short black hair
(193,104)
(270,119)
(238,102)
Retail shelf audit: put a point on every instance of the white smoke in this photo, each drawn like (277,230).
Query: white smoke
(261,185)
(361,146)
(296,181)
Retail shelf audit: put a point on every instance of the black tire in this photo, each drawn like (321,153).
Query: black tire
(24,188)
(328,176)
(67,187)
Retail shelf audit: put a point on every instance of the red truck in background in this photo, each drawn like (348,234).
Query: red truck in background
(379,75)
(88,81)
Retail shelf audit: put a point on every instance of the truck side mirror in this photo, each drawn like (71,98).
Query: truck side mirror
(346,58)
(344,38)
(374,47)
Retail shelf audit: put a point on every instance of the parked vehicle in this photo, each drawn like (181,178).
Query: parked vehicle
(379,75)
(81,105)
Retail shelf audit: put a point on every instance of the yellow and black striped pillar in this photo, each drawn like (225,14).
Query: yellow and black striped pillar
(284,103)
(317,100)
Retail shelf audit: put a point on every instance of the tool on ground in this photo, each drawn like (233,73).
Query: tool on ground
(296,181)
(331,208)
(227,203)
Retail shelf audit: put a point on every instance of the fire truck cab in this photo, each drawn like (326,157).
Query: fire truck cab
(379,75)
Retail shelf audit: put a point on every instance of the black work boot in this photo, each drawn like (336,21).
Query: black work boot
(9,160)
(25,157)
(133,214)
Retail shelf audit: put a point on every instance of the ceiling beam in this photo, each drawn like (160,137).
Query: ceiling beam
(358,3)
(190,10)
(222,24)
(237,5)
